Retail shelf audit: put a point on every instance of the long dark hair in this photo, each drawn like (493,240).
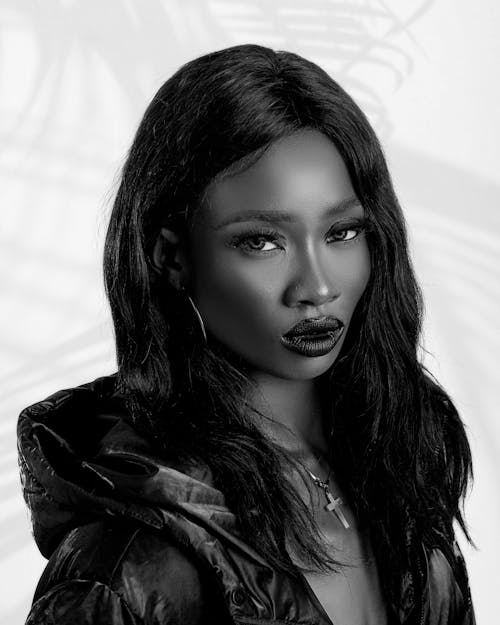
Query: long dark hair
(396,441)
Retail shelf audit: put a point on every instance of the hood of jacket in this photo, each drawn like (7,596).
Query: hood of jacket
(81,459)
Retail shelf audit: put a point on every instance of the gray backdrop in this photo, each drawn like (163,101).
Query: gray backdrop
(75,77)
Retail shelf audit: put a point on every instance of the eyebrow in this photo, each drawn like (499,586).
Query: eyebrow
(276,216)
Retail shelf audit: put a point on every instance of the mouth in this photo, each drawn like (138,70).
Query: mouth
(314,337)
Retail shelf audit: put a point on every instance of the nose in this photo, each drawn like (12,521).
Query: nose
(312,284)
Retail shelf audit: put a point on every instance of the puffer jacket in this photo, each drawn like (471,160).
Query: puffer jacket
(133,541)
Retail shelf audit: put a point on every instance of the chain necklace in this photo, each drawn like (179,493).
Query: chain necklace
(334,503)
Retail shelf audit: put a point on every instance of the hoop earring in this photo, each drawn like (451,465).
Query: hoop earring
(197,313)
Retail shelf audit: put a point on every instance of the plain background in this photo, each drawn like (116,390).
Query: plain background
(75,78)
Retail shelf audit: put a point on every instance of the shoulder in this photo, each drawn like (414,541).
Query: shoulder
(448,592)
(129,574)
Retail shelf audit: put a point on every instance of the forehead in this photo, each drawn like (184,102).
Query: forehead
(301,174)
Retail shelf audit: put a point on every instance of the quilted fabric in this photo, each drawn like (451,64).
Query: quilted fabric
(131,540)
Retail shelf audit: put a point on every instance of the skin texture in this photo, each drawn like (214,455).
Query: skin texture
(250,288)
(251,291)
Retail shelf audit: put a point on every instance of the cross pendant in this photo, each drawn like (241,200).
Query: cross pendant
(333,505)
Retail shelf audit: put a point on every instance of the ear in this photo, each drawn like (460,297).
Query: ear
(169,258)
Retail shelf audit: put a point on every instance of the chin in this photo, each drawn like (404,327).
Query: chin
(282,363)
(298,368)
(311,371)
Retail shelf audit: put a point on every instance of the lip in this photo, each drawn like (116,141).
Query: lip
(314,326)
(313,337)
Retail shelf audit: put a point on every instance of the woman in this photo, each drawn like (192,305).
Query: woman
(270,449)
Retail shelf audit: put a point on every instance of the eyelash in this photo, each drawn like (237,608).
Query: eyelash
(272,236)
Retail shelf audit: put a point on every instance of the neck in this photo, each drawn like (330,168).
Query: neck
(292,410)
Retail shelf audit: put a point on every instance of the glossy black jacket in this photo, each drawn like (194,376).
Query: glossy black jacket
(132,541)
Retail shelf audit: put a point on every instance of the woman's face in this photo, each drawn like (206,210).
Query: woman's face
(277,244)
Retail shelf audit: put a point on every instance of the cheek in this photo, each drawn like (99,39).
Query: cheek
(233,293)
(364,268)
(355,275)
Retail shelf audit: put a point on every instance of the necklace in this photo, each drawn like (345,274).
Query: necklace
(334,503)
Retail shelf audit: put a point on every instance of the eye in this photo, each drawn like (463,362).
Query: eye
(345,234)
(256,242)
(259,243)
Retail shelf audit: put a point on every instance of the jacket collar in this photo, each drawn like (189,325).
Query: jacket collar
(82,459)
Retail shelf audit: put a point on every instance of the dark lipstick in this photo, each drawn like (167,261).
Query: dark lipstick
(314,336)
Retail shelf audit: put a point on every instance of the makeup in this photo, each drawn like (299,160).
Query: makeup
(281,241)
(314,336)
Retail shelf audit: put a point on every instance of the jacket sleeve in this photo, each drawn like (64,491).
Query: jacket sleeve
(463,581)
(115,574)
(81,602)
(448,593)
